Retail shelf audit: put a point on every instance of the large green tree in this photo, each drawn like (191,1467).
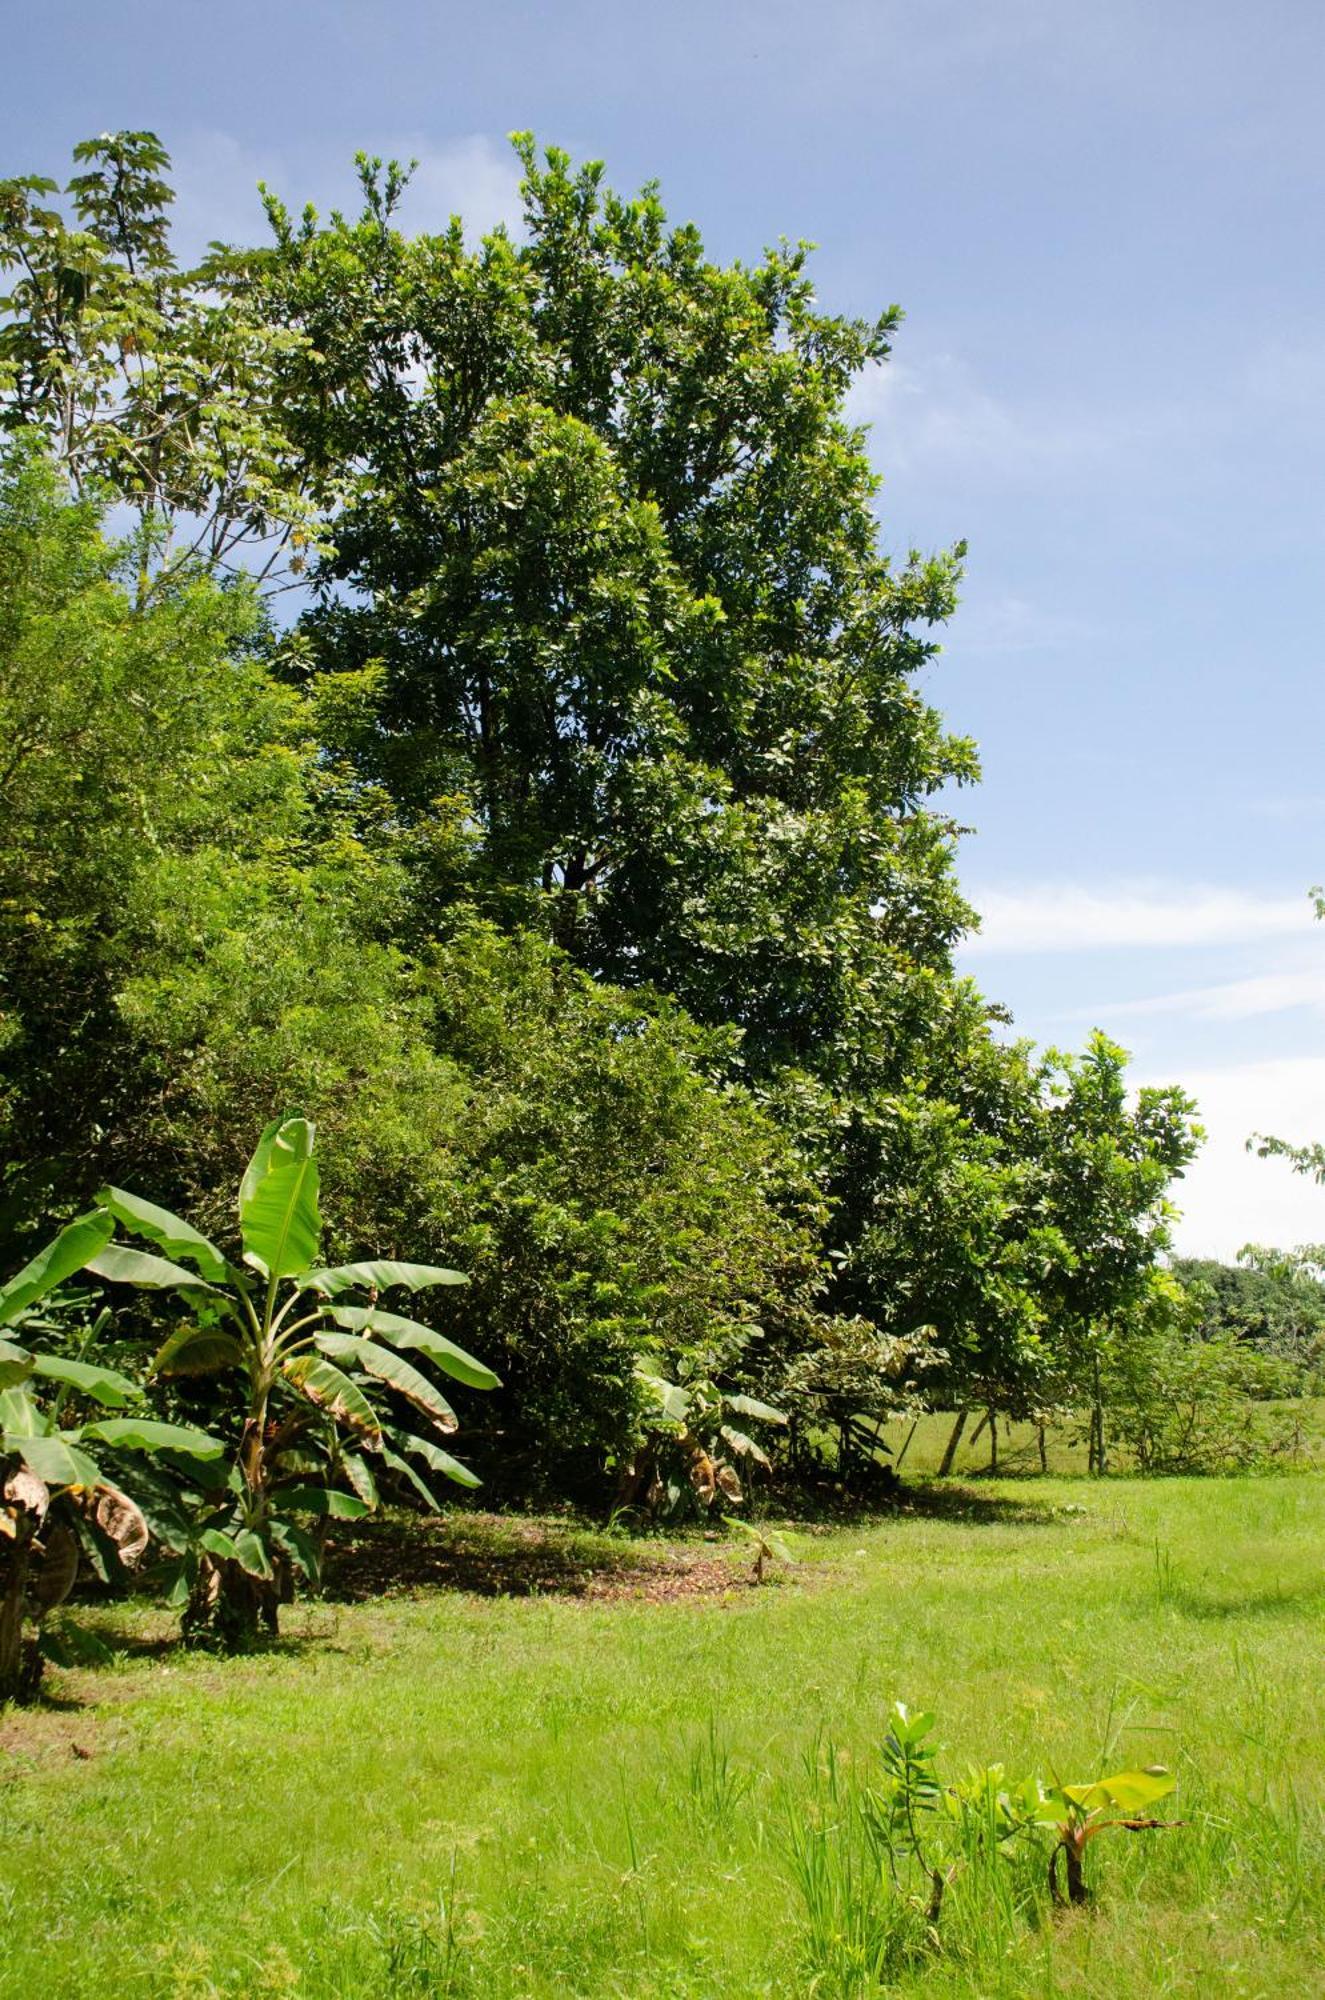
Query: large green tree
(609,587)
(608,545)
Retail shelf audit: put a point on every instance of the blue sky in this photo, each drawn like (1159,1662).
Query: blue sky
(1103,223)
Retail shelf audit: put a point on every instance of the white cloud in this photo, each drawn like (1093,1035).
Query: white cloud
(1289,374)
(1289,805)
(1013,624)
(936,413)
(475,177)
(216,190)
(1230,1197)
(1065,916)
(1230,1000)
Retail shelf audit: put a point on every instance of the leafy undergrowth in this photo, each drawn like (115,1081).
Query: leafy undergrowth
(510,1792)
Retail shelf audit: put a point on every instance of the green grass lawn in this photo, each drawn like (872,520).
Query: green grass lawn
(443,1792)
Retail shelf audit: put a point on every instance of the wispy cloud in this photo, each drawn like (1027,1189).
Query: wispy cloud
(936,413)
(1014,624)
(1229,1000)
(1066,916)
(1289,806)
(216,181)
(1288,374)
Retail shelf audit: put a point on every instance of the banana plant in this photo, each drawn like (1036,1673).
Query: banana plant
(1079,1813)
(53,1491)
(321,1370)
(768,1545)
(685,1453)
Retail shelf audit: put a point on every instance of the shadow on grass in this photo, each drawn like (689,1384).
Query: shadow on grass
(982,1506)
(99,1641)
(1302,1603)
(494,1556)
(47,1702)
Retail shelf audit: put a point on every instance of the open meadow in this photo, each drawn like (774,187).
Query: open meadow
(597,1768)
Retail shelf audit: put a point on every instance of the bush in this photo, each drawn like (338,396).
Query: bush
(1179,1403)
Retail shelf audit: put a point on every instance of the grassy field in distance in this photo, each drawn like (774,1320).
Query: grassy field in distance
(1018,1443)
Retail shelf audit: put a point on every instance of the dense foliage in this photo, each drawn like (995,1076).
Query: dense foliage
(1270,1299)
(573,847)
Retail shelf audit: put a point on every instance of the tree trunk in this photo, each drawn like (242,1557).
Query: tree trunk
(897,1462)
(230,1607)
(1098,1462)
(1071,1847)
(20,1659)
(1044,1455)
(993,1440)
(954,1440)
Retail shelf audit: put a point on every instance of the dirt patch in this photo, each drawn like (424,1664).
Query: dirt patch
(493,1556)
(42,1736)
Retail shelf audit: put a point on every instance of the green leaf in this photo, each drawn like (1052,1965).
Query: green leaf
(251,1554)
(54,1459)
(767,1538)
(50,1267)
(19,1415)
(440,1461)
(278,1214)
(167,1231)
(142,1434)
(406,1471)
(380,1276)
(15,1364)
(672,1400)
(121,1266)
(389,1368)
(747,1406)
(408,1333)
(360,1475)
(746,1446)
(1127,1792)
(218,1544)
(299,1546)
(198,1350)
(315,1377)
(321,1500)
(104,1385)
(908,1728)
(182,1582)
